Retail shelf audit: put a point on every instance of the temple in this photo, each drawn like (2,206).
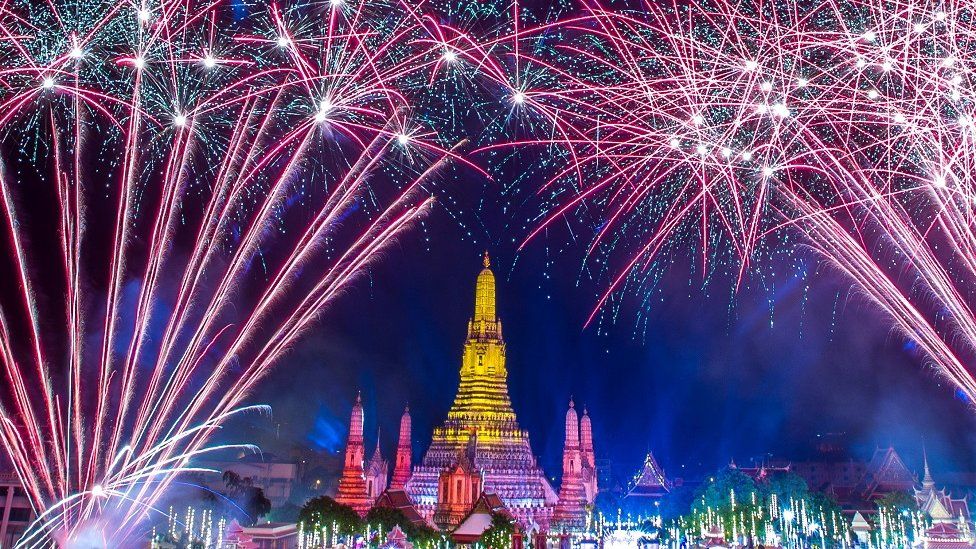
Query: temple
(481,437)
(571,509)
(949,517)
(352,483)
(377,473)
(648,487)
(401,469)
(479,453)
(588,457)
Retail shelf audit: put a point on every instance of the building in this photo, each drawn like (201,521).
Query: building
(939,506)
(855,484)
(479,519)
(482,432)
(401,468)
(352,483)
(16,513)
(270,535)
(276,478)
(571,509)
(951,524)
(589,470)
(480,448)
(649,486)
(377,474)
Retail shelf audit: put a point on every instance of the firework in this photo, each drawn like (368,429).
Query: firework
(740,125)
(185,188)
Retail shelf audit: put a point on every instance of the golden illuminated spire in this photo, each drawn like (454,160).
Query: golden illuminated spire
(483,391)
(484,297)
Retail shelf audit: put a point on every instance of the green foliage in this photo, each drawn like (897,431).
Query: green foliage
(248,498)
(898,503)
(786,485)
(780,500)
(897,511)
(728,493)
(324,512)
(499,534)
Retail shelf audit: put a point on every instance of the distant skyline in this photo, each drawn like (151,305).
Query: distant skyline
(711,378)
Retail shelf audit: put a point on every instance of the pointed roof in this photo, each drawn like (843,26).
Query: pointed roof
(927,481)
(887,472)
(651,481)
(377,455)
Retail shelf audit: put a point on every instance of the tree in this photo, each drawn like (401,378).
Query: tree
(325,512)
(898,503)
(786,486)
(499,534)
(727,493)
(250,500)
(896,511)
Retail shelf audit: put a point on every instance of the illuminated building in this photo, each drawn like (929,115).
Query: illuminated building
(937,505)
(480,449)
(571,510)
(480,444)
(649,486)
(352,483)
(401,469)
(951,523)
(377,473)
(589,472)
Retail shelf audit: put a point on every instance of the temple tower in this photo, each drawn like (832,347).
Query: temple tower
(401,470)
(571,509)
(377,473)
(587,456)
(501,455)
(352,483)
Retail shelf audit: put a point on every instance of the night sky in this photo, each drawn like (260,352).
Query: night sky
(714,374)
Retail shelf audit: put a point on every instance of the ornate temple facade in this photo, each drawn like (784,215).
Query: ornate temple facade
(481,437)
(951,522)
(480,450)
(650,484)
(377,474)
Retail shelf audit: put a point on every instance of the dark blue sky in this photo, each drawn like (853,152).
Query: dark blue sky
(712,377)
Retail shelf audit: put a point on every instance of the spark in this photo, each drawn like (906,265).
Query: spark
(97,432)
(850,159)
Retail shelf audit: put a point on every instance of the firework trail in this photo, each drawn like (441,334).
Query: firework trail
(184,189)
(742,125)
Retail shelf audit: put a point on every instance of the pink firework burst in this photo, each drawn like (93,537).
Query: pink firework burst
(182,196)
(739,124)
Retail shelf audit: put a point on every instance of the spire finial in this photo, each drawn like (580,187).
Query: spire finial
(359,397)
(927,479)
(486,260)
(571,403)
